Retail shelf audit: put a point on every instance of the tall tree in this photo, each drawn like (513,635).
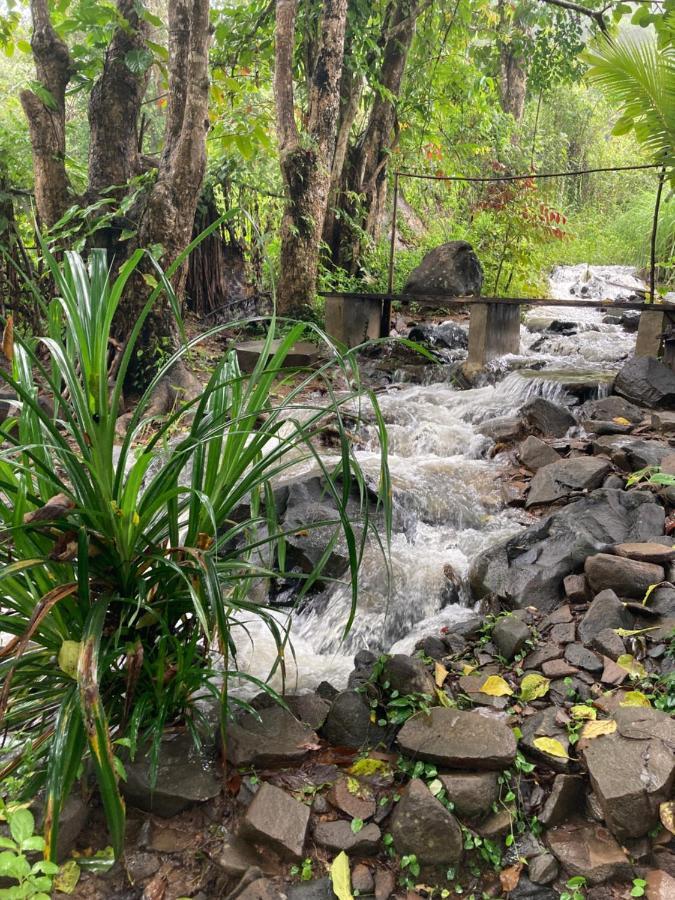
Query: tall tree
(161,210)
(306,156)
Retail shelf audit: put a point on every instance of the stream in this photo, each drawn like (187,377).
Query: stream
(447,495)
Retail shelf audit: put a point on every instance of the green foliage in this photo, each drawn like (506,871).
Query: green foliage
(33,879)
(126,572)
(575,887)
(304,871)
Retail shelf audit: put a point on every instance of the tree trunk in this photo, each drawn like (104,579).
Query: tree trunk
(512,82)
(163,215)
(306,160)
(364,171)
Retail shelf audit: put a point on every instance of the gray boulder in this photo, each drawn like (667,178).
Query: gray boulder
(547,418)
(473,793)
(608,408)
(447,336)
(606,612)
(337,836)
(626,577)
(422,826)
(647,382)
(528,569)
(629,453)
(632,771)
(348,722)
(502,429)
(534,454)
(273,737)
(452,268)
(560,479)
(408,675)
(458,739)
(589,850)
(509,636)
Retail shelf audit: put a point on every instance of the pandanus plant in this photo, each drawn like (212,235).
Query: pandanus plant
(125,567)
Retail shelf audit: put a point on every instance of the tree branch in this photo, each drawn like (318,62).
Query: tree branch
(287,129)
(597,15)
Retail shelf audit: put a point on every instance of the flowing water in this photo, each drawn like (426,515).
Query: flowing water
(448,505)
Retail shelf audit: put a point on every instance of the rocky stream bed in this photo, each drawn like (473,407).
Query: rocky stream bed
(499,722)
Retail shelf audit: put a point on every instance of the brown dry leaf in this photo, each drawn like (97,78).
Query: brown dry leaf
(667,815)
(55,508)
(440,674)
(155,889)
(495,686)
(596,729)
(510,877)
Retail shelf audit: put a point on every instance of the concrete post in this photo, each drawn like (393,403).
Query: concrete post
(352,322)
(494,330)
(650,333)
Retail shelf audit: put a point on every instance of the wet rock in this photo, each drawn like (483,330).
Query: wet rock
(362,879)
(497,824)
(348,723)
(576,588)
(385,884)
(278,821)
(458,739)
(628,453)
(560,479)
(626,577)
(260,889)
(452,268)
(326,691)
(509,636)
(543,869)
(558,668)
(353,798)
(237,856)
(502,429)
(308,708)
(447,336)
(632,770)
(528,569)
(545,724)
(646,382)
(662,601)
(588,850)
(649,552)
(563,633)
(547,418)
(538,657)
(608,408)
(664,422)
(660,885)
(275,738)
(535,454)
(408,675)
(565,799)
(184,777)
(319,889)
(472,793)
(364,661)
(615,482)
(422,826)
(337,836)
(527,890)
(605,612)
(578,655)
(433,647)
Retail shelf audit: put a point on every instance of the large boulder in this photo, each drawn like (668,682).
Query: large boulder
(422,826)
(605,612)
(457,739)
(547,418)
(560,479)
(534,454)
(348,722)
(528,569)
(276,820)
(608,408)
(271,737)
(446,336)
(626,577)
(452,268)
(647,382)
(632,770)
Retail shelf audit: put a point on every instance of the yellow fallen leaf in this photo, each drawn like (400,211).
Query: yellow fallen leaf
(495,686)
(533,686)
(550,746)
(635,698)
(631,665)
(467,669)
(581,711)
(667,815)
(369,766)
(440,674)
(595,729)
(65,881)
(620,420)
(443,699)
(341,877)
(629,632)
(68,657)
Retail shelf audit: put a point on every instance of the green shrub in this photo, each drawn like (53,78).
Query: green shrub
(124,571)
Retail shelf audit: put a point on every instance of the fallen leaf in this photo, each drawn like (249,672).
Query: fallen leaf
(635,698)
(595,729)
(581,711)
(550,746)
(631,665)
(667,815)
(155,889)
(443,699)
(67,877)
(69,656)
(534,686)
(467,669)
(369,766)
(440,674)
(620,420)
(629,632)
(495,686)
(341,877)
(510,877)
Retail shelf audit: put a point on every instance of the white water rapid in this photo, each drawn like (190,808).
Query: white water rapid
(448,504)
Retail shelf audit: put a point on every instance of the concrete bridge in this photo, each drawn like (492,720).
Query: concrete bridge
(494,327)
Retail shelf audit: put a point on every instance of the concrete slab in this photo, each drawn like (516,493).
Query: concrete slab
(301,355)
(353,321)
